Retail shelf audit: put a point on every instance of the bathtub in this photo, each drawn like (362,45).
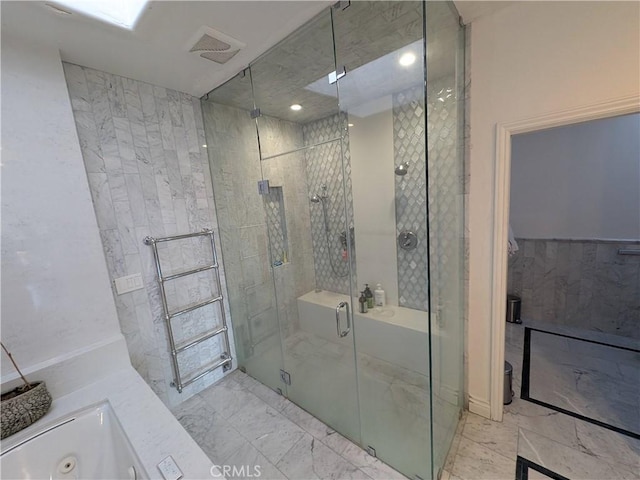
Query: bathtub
(89,443)
(397,335)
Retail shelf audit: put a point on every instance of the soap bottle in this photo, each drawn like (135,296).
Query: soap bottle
(363,303)
(368,295)
(379,296)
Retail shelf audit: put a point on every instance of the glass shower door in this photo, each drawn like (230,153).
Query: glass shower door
(236,170)
(446,174)
(300,133)
(381,47)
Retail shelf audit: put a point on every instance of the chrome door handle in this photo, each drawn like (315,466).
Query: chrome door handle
(343,333)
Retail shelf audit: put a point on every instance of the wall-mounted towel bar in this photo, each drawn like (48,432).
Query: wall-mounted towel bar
(225,360)
(628,251)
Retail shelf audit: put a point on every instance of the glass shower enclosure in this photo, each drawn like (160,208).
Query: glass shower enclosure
(336,160)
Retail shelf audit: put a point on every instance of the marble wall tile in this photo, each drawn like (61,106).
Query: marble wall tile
(583,283)
(147,174)
(236,168)
(324,167)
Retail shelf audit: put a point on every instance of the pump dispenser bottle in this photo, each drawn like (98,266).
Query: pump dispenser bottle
(363,303)
(368,295)
(379,296)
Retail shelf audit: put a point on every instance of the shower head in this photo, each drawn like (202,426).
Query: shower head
(402,169)
(316,199)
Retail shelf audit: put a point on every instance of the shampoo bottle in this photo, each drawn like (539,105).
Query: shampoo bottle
(368,295)
(363,303)
(379,296)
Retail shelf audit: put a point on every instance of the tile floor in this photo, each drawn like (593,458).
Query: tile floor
(239,422)
(579,450)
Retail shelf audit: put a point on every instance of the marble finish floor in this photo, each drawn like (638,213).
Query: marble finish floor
(240,422)
(579,450)
(592,380)
(394,401)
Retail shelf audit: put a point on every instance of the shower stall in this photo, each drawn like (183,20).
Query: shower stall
(337,161)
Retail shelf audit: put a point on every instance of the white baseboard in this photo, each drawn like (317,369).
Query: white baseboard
(479,407)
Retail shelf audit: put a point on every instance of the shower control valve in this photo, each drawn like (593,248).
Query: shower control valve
(407,240)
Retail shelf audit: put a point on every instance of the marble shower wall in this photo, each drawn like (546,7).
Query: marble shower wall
(411,196)
(143,152)
(445,188)
(581,283)
(288,172)
(236,169)
(324,167)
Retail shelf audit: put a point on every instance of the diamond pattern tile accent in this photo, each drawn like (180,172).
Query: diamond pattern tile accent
(276,224)
(445,189)
(411,192)
(411,214)
(324,167)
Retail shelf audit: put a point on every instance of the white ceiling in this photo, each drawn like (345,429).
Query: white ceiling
(157,50)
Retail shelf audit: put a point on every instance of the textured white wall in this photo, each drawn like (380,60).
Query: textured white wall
(55,288)
(578,181)
(530,59)
(371,147)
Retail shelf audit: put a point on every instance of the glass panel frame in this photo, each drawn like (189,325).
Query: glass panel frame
(446,189)
(234,161)
(301,152)
(382,95)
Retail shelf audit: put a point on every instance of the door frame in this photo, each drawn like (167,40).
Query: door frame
(501,200)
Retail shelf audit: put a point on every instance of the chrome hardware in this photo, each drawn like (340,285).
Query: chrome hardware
(628,251)
(225,360)
(263,187)
(371,451)
(407,240)
(343,238)
(343,333)
(285,377)
(341,5)
(337,75)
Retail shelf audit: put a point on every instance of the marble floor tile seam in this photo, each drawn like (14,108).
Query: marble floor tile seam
(256,400)
(322,439)
(330,431)
(507,457)
(474,461)
(248,391)
(332,445)
(612,463)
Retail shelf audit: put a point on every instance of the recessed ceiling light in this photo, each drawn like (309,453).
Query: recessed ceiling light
(351,124)
(407,59)
(204,146)
(295,107)
(123,14)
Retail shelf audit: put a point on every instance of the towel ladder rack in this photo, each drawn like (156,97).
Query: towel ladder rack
(225,360)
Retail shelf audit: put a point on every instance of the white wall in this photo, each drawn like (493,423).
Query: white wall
(578,181)
(529,59)
(56,296)
(373,184)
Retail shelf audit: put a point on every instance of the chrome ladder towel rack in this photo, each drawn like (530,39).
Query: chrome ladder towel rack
(225,360)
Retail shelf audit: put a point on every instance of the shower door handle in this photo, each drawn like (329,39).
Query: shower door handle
(343,333)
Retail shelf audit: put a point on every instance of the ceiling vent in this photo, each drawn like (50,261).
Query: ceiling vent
(214,45)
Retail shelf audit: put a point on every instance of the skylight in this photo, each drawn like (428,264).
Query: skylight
(122,13)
